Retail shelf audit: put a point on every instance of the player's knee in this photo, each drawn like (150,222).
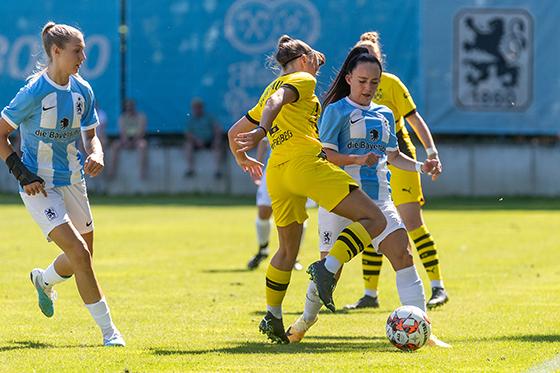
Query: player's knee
(80,255)
(374,224)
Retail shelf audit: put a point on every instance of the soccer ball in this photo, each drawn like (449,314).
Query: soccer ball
(408,328)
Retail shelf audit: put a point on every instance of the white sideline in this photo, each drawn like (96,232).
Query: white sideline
(552,365)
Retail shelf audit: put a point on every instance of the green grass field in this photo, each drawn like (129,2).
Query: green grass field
(173,271)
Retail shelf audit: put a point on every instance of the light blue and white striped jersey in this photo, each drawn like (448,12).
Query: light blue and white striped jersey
(50,118)
(349,128)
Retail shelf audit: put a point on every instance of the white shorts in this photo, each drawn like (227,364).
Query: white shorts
(62,205)
(263,198)
(331,224)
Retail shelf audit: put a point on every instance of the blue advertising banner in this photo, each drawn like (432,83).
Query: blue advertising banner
(491,67)
(20,45)
(217,50)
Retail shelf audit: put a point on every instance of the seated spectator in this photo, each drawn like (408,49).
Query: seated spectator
(203,132)
(132,133)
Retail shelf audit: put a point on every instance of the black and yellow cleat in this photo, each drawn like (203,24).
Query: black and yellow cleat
(364,302)
(273,328)
(324,281)
(439,298)
(256,260)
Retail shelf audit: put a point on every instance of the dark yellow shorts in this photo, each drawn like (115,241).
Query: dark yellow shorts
(405,185)
(292,182)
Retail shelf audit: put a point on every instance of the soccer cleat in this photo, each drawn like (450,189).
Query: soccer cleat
(296,331)
(366,301)
(116,340)
(256,260)
(46,296)
(297,266)
(273,328)
(434,341)
(439,298)
(324,281)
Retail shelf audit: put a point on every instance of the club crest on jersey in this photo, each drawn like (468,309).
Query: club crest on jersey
(50,213)
(374,135)
(64,123)
(493,59)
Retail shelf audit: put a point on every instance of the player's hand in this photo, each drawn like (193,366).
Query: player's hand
(248,140)
(368,159)
(34,188)
(250,165)
(432,167)
(94,164)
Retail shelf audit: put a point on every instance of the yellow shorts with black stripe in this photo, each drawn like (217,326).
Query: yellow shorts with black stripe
(405,185)
(292,182)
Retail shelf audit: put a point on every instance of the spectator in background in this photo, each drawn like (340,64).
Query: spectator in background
(132,135)
(203,132)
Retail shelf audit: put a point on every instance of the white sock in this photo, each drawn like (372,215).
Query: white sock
(332,264)
(51,278)
(312,303)
(437,284)
(303,233)
(275,310)
(263,233)
(102,316)
(371,293)
(410,287)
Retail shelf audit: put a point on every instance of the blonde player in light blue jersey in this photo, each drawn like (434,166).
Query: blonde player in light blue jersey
(359,136)
(52,111)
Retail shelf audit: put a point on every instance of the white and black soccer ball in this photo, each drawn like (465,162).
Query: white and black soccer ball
(408,328)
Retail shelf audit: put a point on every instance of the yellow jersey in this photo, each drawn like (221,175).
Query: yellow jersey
(392,93)
(294,131)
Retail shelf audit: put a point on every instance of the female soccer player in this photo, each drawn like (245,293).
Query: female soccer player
(52,110)
(288,111)
(359,136)
(406,189)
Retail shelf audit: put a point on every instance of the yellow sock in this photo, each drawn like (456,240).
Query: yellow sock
(351,241)
(277,282)
(371,266)
(427,251)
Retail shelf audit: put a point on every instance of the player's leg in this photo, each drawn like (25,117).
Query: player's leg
(278,277)
(262,224)
(411,214)
(330,226)
(371,268)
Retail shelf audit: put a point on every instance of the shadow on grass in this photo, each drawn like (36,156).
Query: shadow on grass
(322,346)
(226,270)
(25,345)
(541,338)
(325,312)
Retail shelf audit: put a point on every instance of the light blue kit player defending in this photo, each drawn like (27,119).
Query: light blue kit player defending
(359,136)
(52,112)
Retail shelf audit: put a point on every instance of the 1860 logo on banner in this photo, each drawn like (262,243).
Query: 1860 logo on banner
(493,59)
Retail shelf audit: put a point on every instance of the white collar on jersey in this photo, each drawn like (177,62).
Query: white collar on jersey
(369,107)
(57,86)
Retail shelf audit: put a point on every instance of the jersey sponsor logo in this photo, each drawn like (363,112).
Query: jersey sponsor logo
(363,144)
(493,59)
(48,108)
(56,135)
(50,213)
(281,138)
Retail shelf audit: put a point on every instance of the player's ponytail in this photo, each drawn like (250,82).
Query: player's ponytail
(289,49)
(339,87)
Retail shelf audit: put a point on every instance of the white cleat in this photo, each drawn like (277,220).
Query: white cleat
(297,330)
(436,342)
(45,295)
(116,340)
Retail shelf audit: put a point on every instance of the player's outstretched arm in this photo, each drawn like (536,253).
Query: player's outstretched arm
(404,162)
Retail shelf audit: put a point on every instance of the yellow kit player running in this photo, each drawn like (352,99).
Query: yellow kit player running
(406,188)
(288,112)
